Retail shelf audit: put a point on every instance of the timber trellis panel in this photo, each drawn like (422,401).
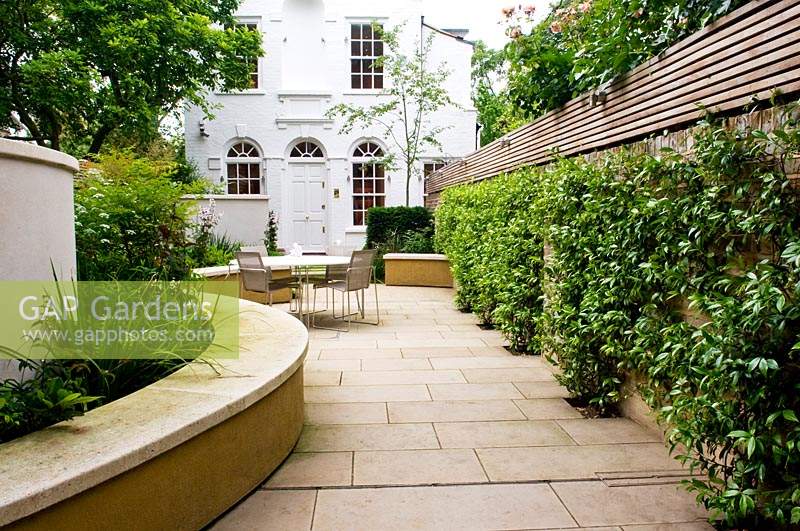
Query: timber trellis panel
(746,56)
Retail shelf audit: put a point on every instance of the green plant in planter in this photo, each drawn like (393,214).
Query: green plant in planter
(398,229)
(681,270)
(271,234)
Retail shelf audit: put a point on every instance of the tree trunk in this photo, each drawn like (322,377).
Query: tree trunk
(99,137)
(408,185)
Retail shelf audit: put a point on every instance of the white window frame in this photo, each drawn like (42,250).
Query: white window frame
(350,74)
(249,162)
(374,162)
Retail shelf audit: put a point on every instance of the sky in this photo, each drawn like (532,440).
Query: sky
(481,17)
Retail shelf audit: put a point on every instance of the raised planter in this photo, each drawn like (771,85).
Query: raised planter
(428,270)
(174,455)
(231,272)
(37,218)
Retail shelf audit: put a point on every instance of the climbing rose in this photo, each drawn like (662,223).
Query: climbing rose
(555,27)
(508,11)
(529,10)
(584,7)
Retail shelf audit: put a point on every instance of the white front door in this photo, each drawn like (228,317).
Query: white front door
(308,206)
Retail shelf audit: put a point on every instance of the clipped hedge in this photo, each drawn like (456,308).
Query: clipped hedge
(490,233)
(680,270)
(388,224)
(398,229)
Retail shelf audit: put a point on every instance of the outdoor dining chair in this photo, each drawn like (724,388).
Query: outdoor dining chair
(255,276)
(355,278)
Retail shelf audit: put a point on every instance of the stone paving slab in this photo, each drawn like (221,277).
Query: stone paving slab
(284,510)
(367,393)
(548,408)
(324,469)
(607,431)
(593,503)
(501,434)
(417,467)
(517,374)
(438,508)
(347,413)
(573,462)
(389,444)
(473,391)
(462,410)
(400,377)
(367,437)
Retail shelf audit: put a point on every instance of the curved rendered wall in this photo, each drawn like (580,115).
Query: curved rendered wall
(174,455)
(37,223)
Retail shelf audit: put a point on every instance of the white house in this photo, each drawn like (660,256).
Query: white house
(271,147)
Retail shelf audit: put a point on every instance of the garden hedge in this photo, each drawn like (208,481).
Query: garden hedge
(679,271)
(398,230)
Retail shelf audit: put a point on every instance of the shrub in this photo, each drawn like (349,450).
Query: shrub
(680,270)
(398,229)
(491,234)
(131,222)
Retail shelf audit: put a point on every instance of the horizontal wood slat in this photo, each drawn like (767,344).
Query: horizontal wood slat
(750,54)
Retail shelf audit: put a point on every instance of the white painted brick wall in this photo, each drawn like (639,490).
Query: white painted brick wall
(256,112)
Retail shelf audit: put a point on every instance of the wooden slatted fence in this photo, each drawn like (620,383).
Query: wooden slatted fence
(746,56)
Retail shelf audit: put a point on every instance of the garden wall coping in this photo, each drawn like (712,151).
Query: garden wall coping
(415,256)
(16,149)
(58,462)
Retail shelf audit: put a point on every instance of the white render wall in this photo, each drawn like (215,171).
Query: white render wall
(304,72)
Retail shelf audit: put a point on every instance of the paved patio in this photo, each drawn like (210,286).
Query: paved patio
(427,422)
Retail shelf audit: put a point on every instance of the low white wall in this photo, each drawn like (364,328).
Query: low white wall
(37,217)
(243,218)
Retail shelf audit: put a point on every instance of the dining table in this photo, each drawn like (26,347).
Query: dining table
(302,266)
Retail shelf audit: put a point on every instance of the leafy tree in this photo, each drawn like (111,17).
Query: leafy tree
(488,67)
(74,72)
(415,91)
(584,44)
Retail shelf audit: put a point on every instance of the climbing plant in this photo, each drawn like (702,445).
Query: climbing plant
(680,271)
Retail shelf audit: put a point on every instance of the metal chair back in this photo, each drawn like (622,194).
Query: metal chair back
(255,276)
(360,271)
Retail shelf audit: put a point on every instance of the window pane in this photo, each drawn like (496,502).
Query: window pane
(366,82)
(379,186)
(358,186)
(366,48)
(254,171)
(355,31)
(380,200)
(378,82)
(366,31)
(379,170)
(369,186)
(255,187)
(355,66)
(369,202)
(378,48)
(355,81)
(232,187)
(355,48)
(358,203)
(366,66)
(358,218)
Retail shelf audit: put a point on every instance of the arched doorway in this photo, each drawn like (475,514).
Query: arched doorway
(307,195)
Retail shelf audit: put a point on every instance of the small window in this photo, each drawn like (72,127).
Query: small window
(243,165)
(306,150)
(431,167)
(366,48)
(369,181)
(252,62)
